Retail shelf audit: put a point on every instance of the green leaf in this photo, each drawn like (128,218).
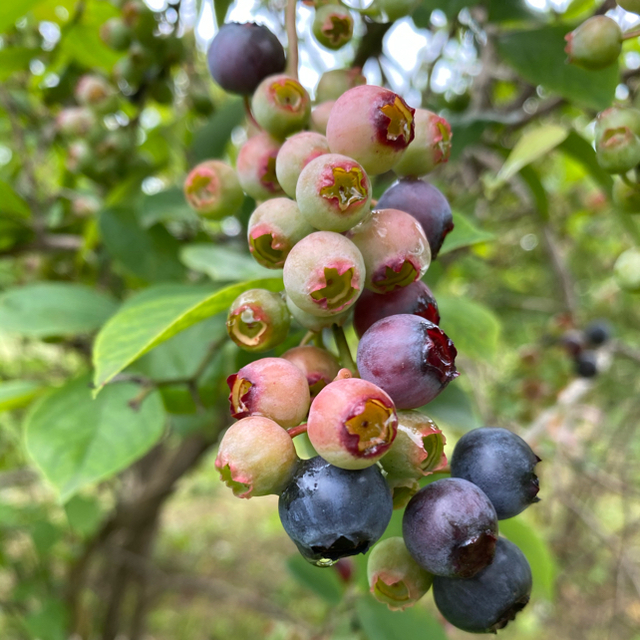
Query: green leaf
(49,622)
(538,55)
(15,394)
(323,582)
(579,149)
(221,7)
(473,327)
(223,264)
(539,193)
(543,566)
(464,234)
(46,309)
(84,514)
(381,624)
(211,140)
(166,206)
(11,204)
(455,408)
(76,441)
(513,10)
(531,146)
(14,59)
(11,11)
(138,328)
(84,45)
(150,254)
(44,536)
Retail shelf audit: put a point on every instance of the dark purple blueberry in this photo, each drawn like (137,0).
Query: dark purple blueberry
(450,528)
(502,464)
(598,332)
(492,598)
(409,357)
(241,56)
(331,513)
(415,299)
(586,364)
(426,204)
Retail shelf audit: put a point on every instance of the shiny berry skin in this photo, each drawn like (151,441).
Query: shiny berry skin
(212,190)
(332,26)
(430,147)
(295,154)
(415,299)
(318,365)
(626,270)
(256,167)
(598,332)
(352,423)
(626,197)
(256,457)
(450,528)
(271,387)
(334,83)
(409,357)
(595,44)
(331,513)
(502,464)
(274,228)
(242,55)
(394,247)
(281,105)
(333,193)
(492,598)
(426,204)
(320,116)
(372,125)
(258,320)
(314,322)
(586,364)
(324,274)
(395,578)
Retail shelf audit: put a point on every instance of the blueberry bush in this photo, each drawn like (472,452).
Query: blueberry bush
(319,319)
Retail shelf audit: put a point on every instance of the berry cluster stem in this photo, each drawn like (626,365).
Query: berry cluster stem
(344,353)
(296,431)
(292,37)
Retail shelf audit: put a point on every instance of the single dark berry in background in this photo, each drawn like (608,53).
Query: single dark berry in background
(492,598)
(450,528)
(502,464)
(331,513)
(586,364)
(409,357)
(426,204)
(598,332)
(415,299)
(242,55)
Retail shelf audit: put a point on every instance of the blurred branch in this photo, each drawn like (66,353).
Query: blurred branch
(292,37)
(47,242)
(559,266)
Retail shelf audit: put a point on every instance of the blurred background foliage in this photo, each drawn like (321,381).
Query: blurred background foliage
(113,522)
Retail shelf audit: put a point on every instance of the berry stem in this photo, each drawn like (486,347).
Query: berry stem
(346,359)
(307,338)
(292,37)
(625,178)
(631,34)
(247,108)
(296,431)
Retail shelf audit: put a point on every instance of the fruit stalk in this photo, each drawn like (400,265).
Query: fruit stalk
(346,359)
(292,37)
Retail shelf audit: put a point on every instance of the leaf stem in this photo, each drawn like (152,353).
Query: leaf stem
(346,359)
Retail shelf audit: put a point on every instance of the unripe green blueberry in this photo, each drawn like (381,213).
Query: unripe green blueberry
(258,320)
(333,193)
(595,44)
(352,423)
(618,150)
(630,5)
(281,105)
(430,147)
(402,490)
(627,270)
(318,365)
(116,34)
(617,117)
(93,91)
(295,154)
(75,121)
(314,322)
(334,83)
(626,197)
(394,247)
(256,457)
(272,388)
(274,228)
(332,26)
(212,190)
(320,116)
(395,578)
(372,125)
(256,167)
(324,273)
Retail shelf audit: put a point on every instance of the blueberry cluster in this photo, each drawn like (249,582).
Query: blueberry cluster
(344,256)
(583,346)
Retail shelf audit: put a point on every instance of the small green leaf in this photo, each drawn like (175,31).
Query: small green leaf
(531,146)
(221,8)
(11,204)
(84,45)
(49,309)
(15,394)
(211,140)
(464,234)
(166,206)
(48,622)
(223,264)
(138,328)
(539,193)
(322,581)
(381,624)
(76,441)
(14,59)
(473,327)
